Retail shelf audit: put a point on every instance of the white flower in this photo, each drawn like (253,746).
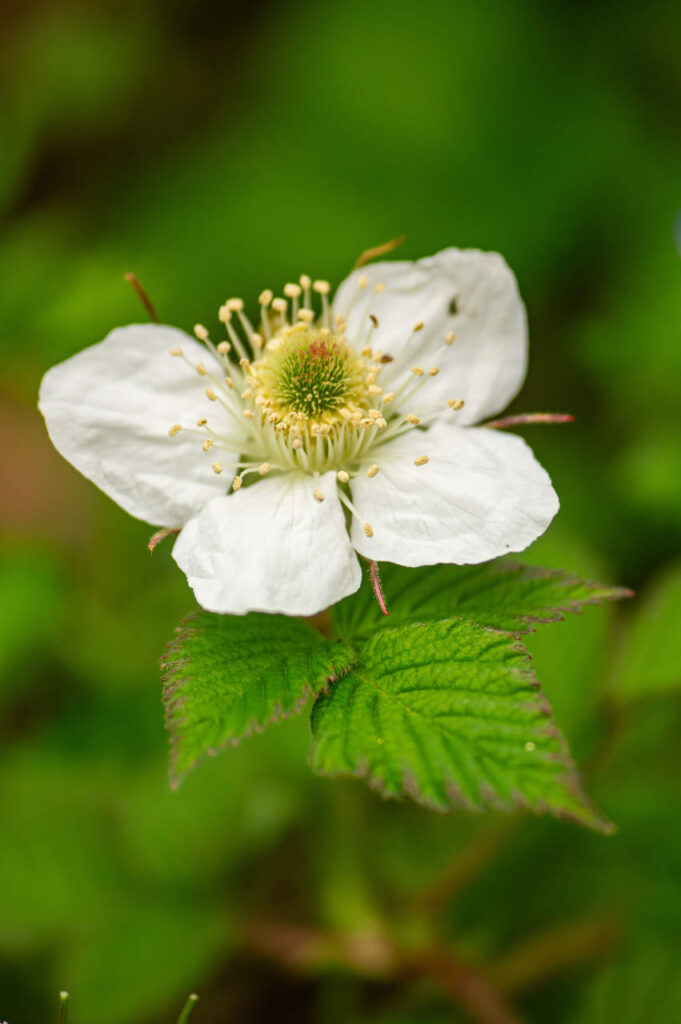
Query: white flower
(283,454)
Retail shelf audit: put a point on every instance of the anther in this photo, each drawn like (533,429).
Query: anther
(236,483)
(418,327)
(368,529)
(217,468)
(248,393)
(421,461)
(264,469)
(248,414)
(264,299)
(292,291)
(362,281)
(388,397)
(176,352)
(229,383)
(321,287)
(257,340)
(280,305)
(297,443)
(245,363)
(367,351)
(207,444)
(305,281)
(201,370)
(372,470)
(318,495)
(455,403)
(236,305)
(375,390)
(201,422)
(343,476)
(224,314)
(449,338)
(382,423)
(201,332)
(374,319)
(224,347)
(417,371)
(175,429)
(380,287)
(411,418)
(211,395)
(306,315)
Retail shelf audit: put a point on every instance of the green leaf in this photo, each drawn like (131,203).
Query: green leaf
(450,714)
(502,594)
(225,676)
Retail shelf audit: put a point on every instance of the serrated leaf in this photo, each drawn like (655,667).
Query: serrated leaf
(225,676)
(503,595)
(450,714)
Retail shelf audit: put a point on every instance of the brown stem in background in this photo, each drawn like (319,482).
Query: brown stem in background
(551,952)
(146,301)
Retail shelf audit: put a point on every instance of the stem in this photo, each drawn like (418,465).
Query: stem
(146,301)
(63,1007)
(188,1010)
(524,418)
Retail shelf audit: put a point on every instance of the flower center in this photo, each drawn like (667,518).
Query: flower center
(310,377)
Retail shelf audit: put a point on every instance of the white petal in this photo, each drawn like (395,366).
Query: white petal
(108,410)
(481,494)
(271,547)
(470,293)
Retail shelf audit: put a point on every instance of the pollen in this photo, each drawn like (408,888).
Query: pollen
(236,483)
(455,403)
(450,338)
(207,444)
(433,371)
(318,495)
(201,332)
(217,467)
(201,422)
(210,394)
(224,347)
(343,476)
(176,352)
(264,469)
(175,429)
(372,470)
(201,369)
(421,461)
(362,281)
(368,529)
(412,418)
(417,371)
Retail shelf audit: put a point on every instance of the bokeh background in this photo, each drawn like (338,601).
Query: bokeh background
(219,148)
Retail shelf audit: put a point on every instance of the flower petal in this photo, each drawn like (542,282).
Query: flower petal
(480,495)
(271,547)
(473,295)
(108,410)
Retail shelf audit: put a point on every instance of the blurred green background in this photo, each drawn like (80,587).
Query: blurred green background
(216,149)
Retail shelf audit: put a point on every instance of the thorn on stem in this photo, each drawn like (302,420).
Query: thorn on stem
(146,301)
